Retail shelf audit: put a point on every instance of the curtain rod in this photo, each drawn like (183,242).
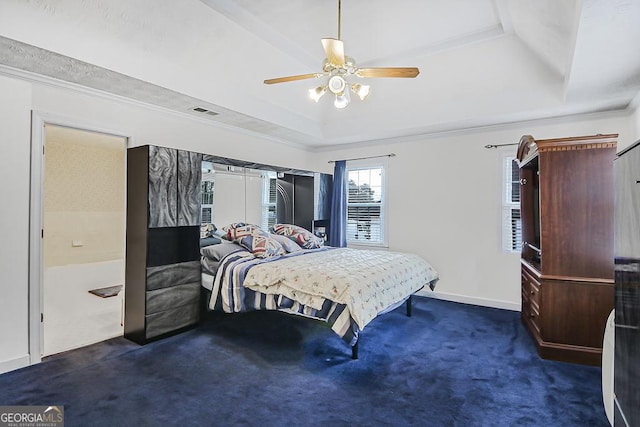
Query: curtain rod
(364,158)
(500,145)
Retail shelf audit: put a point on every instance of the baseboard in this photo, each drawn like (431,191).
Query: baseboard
(13,364)
(483,302)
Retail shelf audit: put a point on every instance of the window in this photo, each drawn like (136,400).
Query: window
(269,194)
(366,204)
(511,223)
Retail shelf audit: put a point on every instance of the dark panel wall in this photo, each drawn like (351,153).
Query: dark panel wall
(303,201)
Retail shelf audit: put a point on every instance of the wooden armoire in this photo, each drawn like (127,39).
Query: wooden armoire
(567,269)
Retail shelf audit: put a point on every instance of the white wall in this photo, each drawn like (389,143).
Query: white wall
(444,200)
(15,123)
(143,125)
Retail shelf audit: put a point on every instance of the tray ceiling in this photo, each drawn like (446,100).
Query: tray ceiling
(482,62)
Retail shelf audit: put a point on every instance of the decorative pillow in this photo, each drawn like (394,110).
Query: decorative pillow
(287,244)
(261,244)
(238,230)
(207,230)
(302,237)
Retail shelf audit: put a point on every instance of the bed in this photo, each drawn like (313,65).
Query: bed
(346,288)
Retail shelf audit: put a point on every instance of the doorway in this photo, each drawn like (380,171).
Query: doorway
(83,237)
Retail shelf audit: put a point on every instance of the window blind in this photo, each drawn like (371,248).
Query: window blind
(511,222)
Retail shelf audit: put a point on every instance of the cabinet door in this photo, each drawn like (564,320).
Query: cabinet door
(189,188)
(163,186)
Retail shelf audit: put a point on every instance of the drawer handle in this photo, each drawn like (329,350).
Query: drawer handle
(532,292)
(532,315)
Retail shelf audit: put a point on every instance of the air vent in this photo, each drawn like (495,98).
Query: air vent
(205,111)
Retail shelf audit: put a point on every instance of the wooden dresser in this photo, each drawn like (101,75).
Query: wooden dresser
(567,273)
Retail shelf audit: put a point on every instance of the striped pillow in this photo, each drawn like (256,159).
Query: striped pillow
(304,238)
(238,230)
(287,244)
(261,244)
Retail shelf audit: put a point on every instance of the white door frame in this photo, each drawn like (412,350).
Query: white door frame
(36,216)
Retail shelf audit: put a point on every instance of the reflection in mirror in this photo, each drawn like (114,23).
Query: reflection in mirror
(260,204)
(269,199)
(239,191)
(207,193)
(240,195)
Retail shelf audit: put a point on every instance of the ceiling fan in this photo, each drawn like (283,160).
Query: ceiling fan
(337,67)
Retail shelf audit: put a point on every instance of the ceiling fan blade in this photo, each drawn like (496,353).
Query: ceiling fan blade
(334,49)
(292,78)
(388,72)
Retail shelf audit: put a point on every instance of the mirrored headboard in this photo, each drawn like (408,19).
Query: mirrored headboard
(235,190)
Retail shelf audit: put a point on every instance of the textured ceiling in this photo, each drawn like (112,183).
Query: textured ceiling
(482,62)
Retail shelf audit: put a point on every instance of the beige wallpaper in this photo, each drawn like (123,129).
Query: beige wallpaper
(84,190)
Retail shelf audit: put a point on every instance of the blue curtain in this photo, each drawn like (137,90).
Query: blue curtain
(338,219)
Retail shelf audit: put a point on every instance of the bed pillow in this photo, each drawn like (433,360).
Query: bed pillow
(261,244)
(217,252)
(208,241)
(304,238)
(238,230)
(287,244)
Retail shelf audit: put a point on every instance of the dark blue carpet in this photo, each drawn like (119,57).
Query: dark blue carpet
(448,365)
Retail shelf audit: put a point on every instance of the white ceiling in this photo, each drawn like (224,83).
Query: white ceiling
(482,62)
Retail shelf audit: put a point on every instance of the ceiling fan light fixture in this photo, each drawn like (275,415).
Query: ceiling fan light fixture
(317,92)
(342,100)
(361,90)
(338,67)
(337,84)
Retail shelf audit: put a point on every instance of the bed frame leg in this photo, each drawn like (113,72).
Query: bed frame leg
(409,306)
(354,350)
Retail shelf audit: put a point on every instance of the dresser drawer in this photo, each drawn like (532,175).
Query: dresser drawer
(165,276)
(531,288)
(531,316)
(173,297)
(170,320)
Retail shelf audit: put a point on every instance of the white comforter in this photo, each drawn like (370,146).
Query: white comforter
(366,281)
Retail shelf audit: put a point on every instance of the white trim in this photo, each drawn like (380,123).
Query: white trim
(32,77)
(469,127)
(35,238)
(13,364)
(483,302)
(635,103)
(475,128)
(36,217)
